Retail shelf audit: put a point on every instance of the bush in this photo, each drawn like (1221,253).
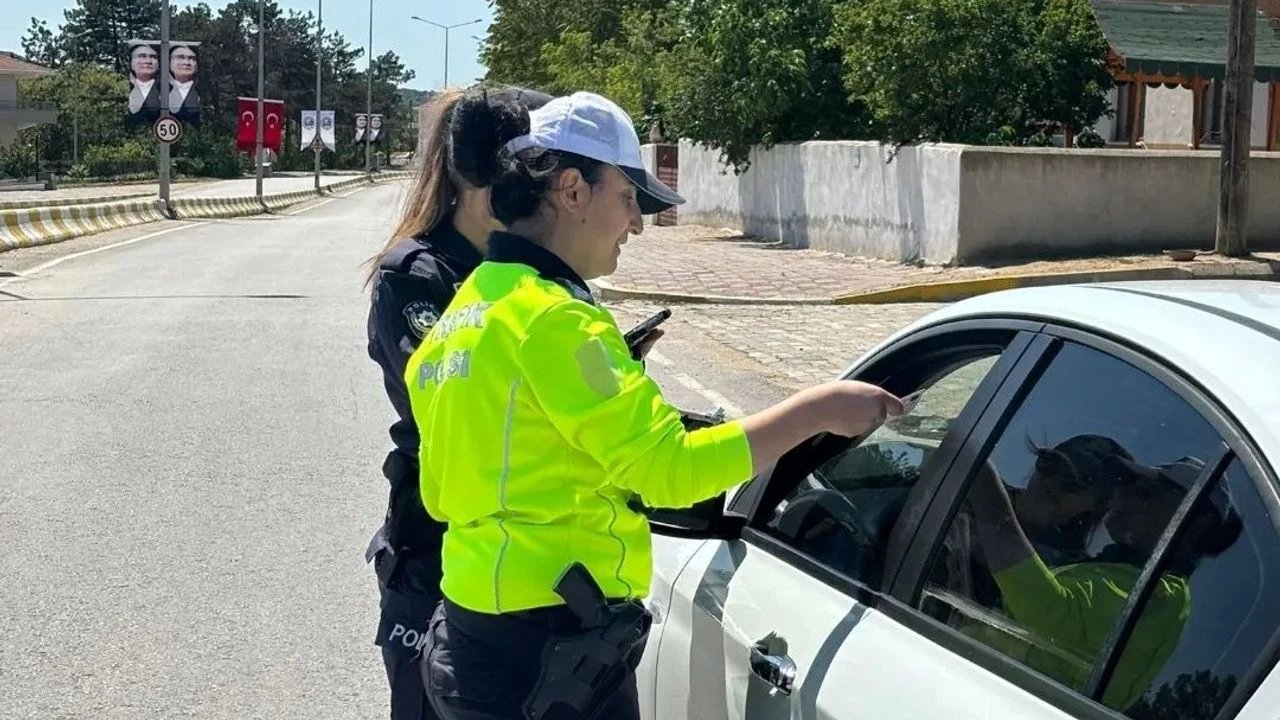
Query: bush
(130,156)
(17,161)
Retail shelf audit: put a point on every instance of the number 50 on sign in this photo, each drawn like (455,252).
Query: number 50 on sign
(167,130)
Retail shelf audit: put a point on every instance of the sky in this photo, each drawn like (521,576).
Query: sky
(420,46)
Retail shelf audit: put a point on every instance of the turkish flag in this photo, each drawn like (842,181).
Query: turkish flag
(247,124)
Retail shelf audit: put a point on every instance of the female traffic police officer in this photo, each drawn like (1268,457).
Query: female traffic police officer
(439,242)
(538,428)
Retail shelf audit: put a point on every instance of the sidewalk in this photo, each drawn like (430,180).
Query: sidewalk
(708,265)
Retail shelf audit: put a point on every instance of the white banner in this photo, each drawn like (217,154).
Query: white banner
(326,129)
(361,121)
(308,128)
(375,127)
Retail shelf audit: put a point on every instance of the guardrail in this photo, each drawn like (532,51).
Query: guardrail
(51,222)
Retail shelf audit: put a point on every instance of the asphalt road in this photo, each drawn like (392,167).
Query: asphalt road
(190,442)
(190,437)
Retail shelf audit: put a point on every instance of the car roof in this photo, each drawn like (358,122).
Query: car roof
(1224,335)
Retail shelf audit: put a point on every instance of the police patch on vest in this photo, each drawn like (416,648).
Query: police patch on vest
(421,317)
(597,368)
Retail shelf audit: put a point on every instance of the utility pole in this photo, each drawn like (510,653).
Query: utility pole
(163,68)
(1233,196)
(319,63)
(368,98)
(261,32)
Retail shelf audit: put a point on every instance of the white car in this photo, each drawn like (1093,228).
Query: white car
(1079,518)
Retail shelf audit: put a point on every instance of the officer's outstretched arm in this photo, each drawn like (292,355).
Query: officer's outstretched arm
(578,366)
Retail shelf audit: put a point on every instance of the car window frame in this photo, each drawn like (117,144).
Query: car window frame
(916,563)
(751,503)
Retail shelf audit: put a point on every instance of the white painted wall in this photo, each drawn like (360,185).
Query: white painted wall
(8,90)
(832,196)
(947,203)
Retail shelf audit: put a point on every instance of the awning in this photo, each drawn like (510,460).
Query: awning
(1187,40)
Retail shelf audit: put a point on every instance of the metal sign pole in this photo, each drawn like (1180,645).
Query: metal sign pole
(319,63)
(368,95)
(258,146)
(164,100)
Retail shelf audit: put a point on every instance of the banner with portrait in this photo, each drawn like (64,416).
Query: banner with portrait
(144,101)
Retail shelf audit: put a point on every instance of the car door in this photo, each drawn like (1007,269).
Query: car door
(1107,545)
(762,626)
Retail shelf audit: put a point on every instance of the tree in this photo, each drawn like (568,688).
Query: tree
(1197,696)
(40,45)
(521,28)
(99,31)
(757,72)
(971,71)
(88,99)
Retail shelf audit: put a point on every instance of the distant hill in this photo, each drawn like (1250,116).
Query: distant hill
(415,97)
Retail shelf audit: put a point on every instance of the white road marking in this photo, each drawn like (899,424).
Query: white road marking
(326,201)
(730,409)
(45,266)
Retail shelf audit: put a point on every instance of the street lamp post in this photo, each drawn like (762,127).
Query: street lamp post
(446,29)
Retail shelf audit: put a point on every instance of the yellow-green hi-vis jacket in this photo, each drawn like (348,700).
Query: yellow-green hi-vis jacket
(537,427)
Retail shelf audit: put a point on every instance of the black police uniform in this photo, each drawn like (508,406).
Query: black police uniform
(414,284)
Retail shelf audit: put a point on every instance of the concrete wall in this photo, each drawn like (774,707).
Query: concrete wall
(836,196)
(1024,202)
(944,204)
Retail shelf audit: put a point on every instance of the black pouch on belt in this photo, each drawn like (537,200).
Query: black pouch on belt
(581,671)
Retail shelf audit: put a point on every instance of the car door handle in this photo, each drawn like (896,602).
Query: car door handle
(777,670)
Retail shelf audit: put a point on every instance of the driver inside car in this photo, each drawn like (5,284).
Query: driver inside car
(1070,608)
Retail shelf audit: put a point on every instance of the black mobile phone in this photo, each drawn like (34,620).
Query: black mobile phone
(637,334)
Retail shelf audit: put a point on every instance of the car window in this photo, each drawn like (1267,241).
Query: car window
(1227,564)
(843,511)
(1062,515)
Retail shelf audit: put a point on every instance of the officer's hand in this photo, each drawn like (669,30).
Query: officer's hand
(853,408)
(642,349)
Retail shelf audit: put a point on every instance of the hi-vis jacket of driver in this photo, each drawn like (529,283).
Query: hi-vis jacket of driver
(537,427)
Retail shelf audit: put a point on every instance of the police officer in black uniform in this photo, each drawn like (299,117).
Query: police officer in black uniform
(438,243)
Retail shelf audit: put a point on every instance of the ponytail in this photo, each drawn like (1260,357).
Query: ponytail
(433,189)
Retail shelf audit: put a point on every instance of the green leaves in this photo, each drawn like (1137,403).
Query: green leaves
(973,71)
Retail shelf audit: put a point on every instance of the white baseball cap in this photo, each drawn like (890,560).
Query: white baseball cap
(593,126)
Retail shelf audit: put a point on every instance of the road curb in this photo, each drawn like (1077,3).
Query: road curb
(32,204)
(606,290)
(954,290)
(31,226)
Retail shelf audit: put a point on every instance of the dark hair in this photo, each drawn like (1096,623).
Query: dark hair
(435,187)
(522,179)
(482,123)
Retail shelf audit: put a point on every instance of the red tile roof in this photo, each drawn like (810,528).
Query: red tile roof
(14,64)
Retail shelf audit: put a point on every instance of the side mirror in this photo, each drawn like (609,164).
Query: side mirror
(704,521)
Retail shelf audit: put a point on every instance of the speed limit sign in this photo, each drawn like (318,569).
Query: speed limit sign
(167,130)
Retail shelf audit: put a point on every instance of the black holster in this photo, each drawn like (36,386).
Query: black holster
(581,671)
